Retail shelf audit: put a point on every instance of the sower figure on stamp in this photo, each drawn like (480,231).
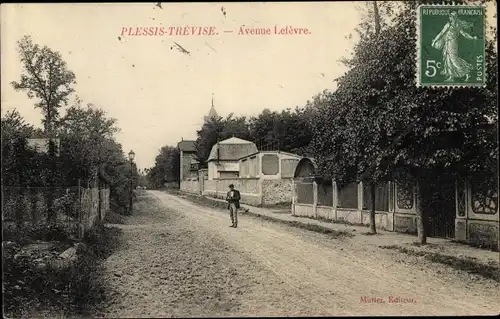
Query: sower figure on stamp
(447,41)
(233,204)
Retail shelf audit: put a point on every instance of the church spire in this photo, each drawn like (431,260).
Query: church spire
(212,114)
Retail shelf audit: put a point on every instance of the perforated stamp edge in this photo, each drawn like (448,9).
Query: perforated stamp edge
(418,55)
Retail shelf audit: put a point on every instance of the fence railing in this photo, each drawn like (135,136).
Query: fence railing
(76,208)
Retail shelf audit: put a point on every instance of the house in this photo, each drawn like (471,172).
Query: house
(263,178)
(189,163)
(223,161)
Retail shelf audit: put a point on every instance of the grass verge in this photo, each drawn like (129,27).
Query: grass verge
(468,264)
(311,227)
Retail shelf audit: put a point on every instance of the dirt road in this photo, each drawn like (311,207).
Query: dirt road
(180,259)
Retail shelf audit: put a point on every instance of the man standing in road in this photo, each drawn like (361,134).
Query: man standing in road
(233,203)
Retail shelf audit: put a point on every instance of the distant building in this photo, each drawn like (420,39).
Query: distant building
(223,161)
(189,163)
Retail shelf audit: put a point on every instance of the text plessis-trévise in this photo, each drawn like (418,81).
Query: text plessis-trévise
(210,30)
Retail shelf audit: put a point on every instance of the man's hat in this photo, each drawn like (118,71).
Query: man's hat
(231,185)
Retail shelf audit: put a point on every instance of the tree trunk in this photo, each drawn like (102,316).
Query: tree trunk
(421,215)
(376,18)
(373,229)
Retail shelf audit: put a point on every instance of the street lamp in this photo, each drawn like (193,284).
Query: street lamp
(131,156)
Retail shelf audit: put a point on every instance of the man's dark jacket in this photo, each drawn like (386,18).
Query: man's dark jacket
(235,199)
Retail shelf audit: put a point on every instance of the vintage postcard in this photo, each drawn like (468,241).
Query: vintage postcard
(249,159)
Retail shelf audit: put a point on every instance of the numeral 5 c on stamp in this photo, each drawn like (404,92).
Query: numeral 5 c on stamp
(451,45)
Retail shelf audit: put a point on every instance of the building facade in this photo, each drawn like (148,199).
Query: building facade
(189,163)
(223,161)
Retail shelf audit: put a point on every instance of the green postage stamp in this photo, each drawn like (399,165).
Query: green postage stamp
(451,45)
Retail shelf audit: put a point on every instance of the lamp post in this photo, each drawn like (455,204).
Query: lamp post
(131,156)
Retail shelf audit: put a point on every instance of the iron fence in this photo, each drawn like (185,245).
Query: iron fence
(304,191)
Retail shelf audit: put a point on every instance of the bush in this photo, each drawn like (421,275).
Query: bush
(28,233)
(68,290)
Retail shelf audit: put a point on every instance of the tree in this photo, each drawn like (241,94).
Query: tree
(208,135)
(167,167)
(85,132)
(214,130)
(15,131)
(45,77)
(235,127)
(378,120)
(286,130)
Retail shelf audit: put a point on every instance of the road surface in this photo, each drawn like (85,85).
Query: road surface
(180,259)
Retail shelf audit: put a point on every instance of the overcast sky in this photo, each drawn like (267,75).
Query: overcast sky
(160,95)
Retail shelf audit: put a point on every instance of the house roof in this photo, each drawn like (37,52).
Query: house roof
(187,146)
(232,149)
(235,140)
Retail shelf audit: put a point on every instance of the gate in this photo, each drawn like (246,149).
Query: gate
(438,202)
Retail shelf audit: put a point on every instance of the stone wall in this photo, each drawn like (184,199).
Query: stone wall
(326,205)
(248,187)
(276,191)
(76,207)
(483,233)
(380,219)
(171,185)
(190,186)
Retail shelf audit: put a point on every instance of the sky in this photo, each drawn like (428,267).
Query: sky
(158,94)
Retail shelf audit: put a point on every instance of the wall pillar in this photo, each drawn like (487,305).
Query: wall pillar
(335,199)
(390,213)
(361,194)
(315,198)
(201,182)
(293,197)
(461,204)
(391,197)
(360,202)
